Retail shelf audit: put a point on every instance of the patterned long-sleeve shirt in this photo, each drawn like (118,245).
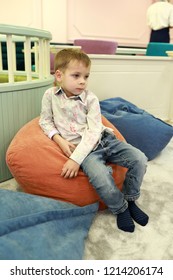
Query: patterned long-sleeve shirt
(76,119)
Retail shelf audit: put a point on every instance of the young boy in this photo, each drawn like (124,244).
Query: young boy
(71,117)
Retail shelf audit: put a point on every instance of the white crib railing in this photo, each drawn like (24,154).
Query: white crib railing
(21,85)
(41,40)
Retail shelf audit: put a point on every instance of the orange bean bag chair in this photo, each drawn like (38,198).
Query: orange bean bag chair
(35,161)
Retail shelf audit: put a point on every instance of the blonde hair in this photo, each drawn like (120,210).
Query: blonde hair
(63,58)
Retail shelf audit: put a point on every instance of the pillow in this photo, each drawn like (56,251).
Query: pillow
(140,129)
(35,161)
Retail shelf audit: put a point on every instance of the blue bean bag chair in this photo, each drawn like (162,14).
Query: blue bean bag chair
(139,128)
(39,228)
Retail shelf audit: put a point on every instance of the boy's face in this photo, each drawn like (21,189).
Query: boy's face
(74,79)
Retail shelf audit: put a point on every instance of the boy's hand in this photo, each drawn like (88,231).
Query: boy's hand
(65,145)
(70,169)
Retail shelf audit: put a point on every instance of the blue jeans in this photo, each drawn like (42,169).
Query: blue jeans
(112,150)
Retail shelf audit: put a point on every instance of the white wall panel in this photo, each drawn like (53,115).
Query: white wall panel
(144,81)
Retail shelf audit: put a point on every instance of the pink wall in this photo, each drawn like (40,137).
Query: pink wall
(123,21)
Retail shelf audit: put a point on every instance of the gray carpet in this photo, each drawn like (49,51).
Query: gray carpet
(154,241)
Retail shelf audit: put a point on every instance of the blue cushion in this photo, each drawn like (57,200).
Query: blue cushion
(158,49)
(139,128)
(38,228)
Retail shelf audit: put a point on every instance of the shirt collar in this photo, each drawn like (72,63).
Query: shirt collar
(78,97)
